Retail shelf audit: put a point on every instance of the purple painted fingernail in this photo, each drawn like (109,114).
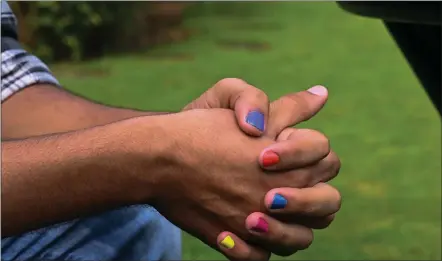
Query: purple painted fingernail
(256,119)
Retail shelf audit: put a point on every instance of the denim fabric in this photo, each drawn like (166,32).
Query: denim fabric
(133,233)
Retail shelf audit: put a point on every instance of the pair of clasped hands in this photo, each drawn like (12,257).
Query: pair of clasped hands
(273,193)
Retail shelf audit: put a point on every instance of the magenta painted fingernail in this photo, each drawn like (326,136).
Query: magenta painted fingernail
(261,226)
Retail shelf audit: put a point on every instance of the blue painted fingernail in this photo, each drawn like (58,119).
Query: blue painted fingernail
(278,202)
(256,119)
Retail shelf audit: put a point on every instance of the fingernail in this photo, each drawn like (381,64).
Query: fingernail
(318,90)
(228,242)
(261,226)
(269,158)
(256,119)
(278,202)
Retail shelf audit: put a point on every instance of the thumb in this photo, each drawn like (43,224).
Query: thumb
(251,105)
(295,108)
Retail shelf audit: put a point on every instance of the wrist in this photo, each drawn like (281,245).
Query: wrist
(142,148)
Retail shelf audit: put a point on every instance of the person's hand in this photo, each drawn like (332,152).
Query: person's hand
(211,181)
(288,110)
(283,236)
(309,207)
(250,104)
(254,113)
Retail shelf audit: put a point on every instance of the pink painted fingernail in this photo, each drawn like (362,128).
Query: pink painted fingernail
(318,90)
(261,226)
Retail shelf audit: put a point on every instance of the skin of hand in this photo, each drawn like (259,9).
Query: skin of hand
(215,179)
(250,104)
(247,98)
(321,203)
(282,238)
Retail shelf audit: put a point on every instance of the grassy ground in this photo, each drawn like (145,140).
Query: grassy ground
(378,118)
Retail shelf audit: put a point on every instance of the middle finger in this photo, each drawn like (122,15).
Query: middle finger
(302,147)
(320,200)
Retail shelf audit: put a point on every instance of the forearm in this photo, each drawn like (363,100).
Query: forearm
(46,180)
(78,172)
(45,109)
(32,101)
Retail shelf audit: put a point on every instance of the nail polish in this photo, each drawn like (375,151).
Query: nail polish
(228,242)
(269,158)
(318,90)
(256,119)
(261,226)
(279,202)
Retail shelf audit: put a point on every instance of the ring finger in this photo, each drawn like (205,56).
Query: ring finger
(280,238)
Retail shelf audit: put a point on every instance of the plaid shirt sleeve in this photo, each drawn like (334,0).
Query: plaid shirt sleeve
(20,69)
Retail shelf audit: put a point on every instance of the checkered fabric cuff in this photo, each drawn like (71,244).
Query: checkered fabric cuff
(21,69)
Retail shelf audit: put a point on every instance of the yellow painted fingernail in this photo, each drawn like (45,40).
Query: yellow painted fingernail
(228,242)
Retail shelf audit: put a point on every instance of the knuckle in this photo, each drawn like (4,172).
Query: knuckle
(283,244)
(338,200)
(329,219)
(227,82)
(260,95)
(265,256)
(285,134)
(258,255)
(335,199)
(337,164)
(303,179)
(325,223)
(333,165)
(308,240)
(298,240)
(287,245)
(285,252)
(292,104)
(244,255)
(298,105)
(321,142)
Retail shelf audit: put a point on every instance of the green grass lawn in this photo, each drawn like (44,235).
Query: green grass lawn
(378,117)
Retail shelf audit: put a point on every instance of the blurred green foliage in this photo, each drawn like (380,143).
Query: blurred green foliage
(60,30)
(67,30)
(71,23)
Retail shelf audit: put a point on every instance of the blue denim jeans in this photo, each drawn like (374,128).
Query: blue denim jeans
(133,233)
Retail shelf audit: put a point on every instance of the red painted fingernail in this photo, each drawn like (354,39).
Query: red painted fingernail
(269,158)
(261,226)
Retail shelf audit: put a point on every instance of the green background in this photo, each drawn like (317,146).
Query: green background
(378,117)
